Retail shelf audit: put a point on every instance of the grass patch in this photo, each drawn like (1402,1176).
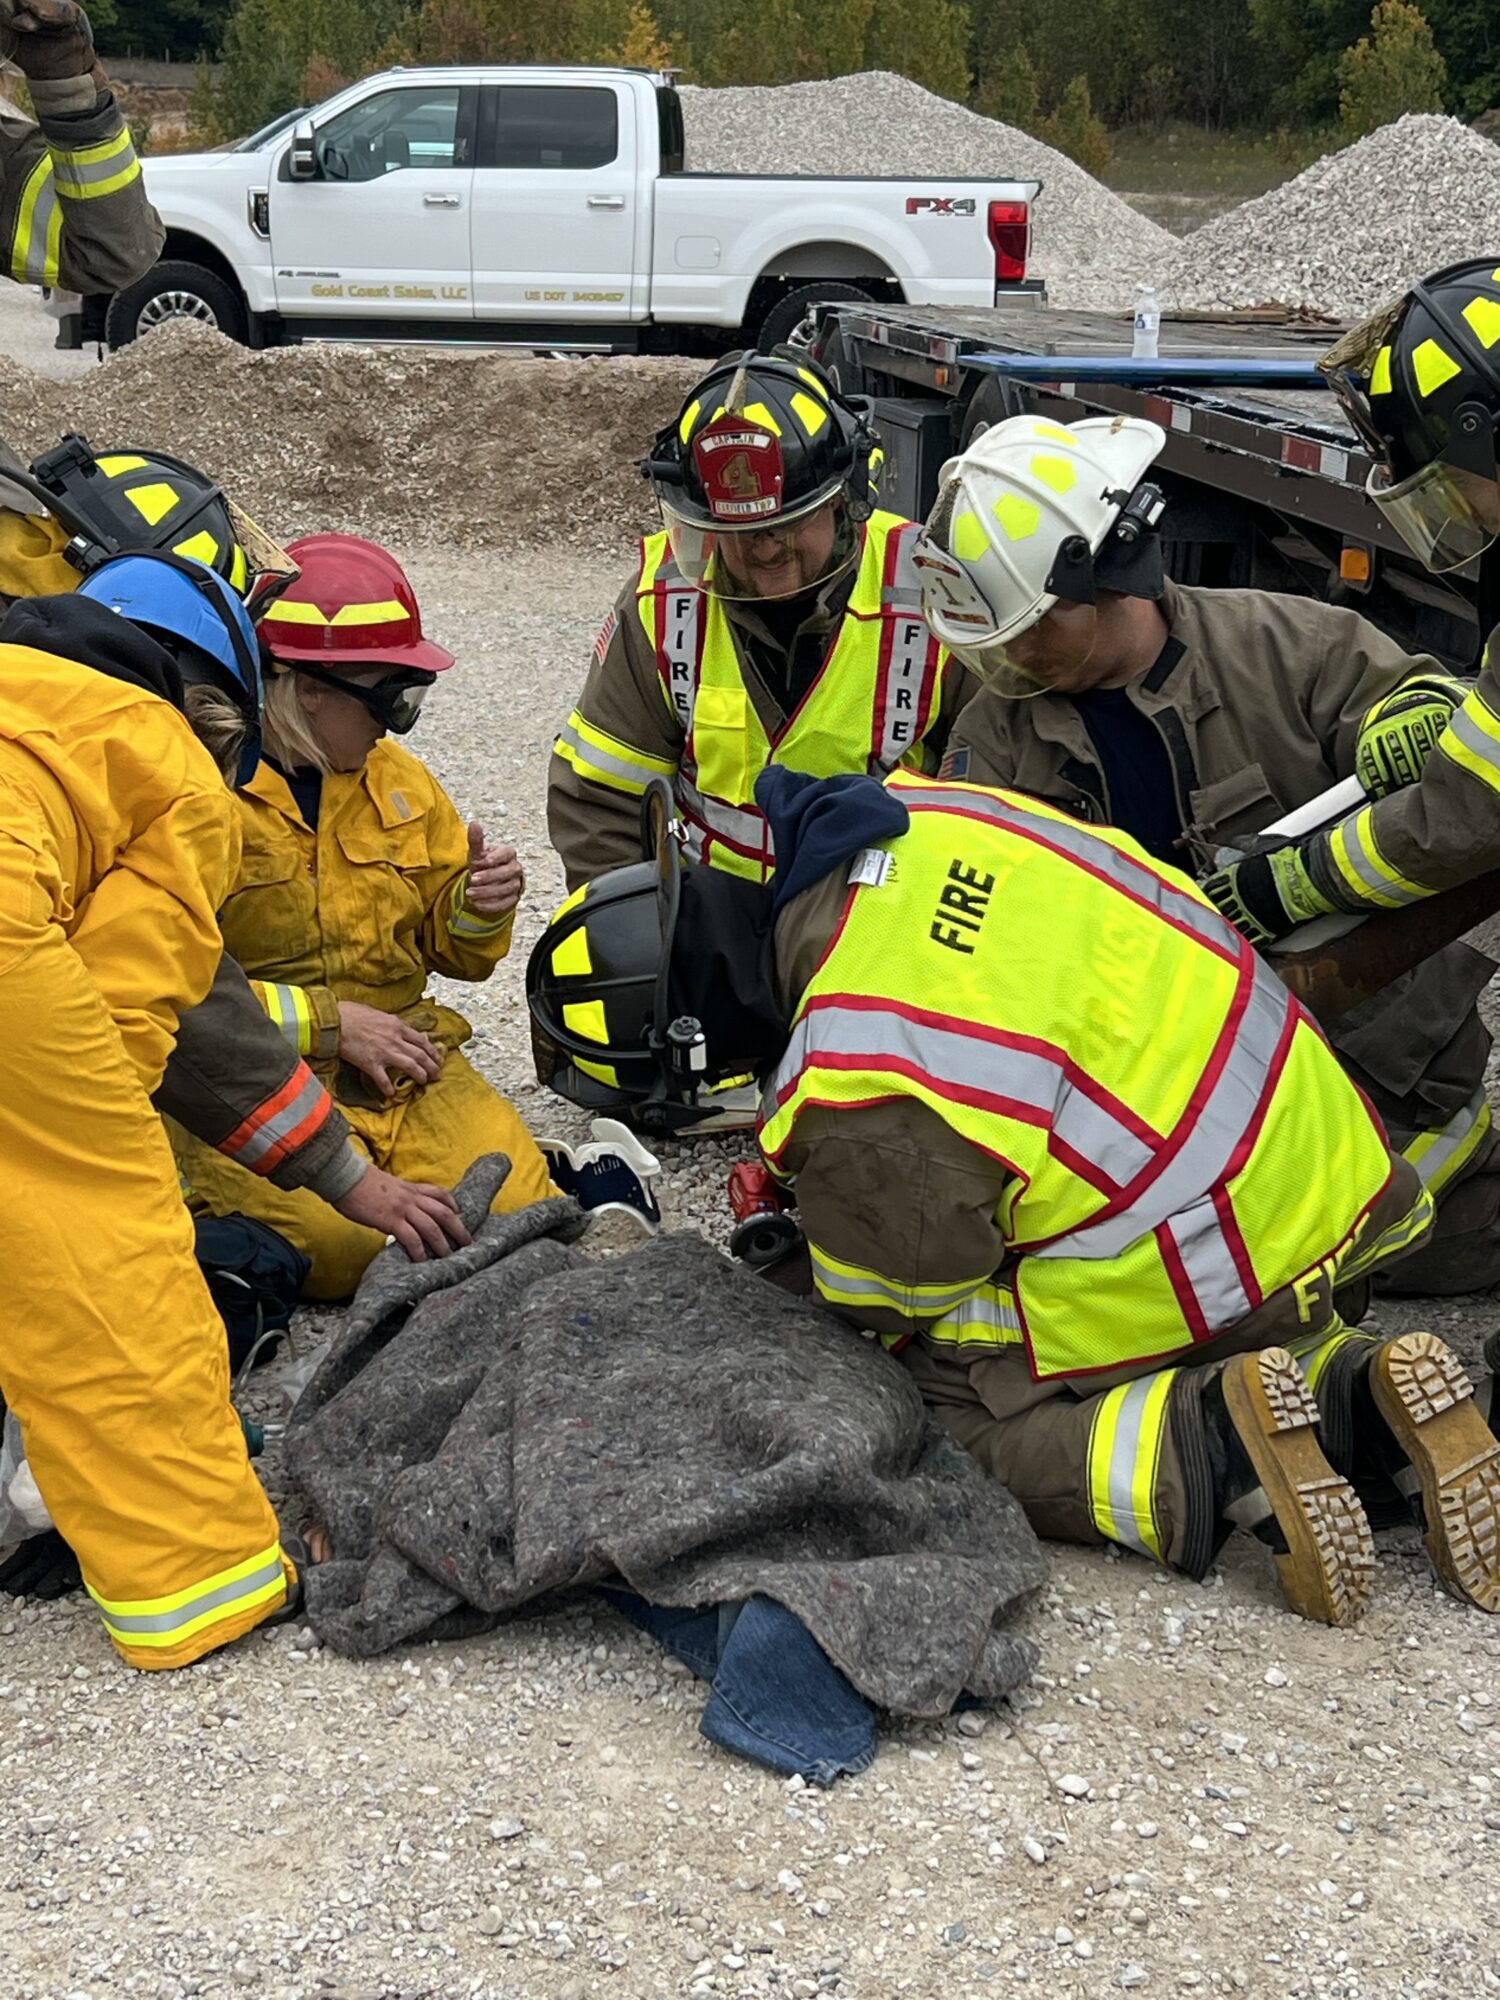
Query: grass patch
(1224,165)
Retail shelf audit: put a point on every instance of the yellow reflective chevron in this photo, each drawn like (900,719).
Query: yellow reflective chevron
(1125,1445)
(608,760)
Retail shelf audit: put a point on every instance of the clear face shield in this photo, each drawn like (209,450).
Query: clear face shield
(777,558)
(1448,511)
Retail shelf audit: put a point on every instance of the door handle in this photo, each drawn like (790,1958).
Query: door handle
(606,201)
(442,201)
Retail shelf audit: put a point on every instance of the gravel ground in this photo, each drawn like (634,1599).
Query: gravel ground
(1199,1793)
(27,333)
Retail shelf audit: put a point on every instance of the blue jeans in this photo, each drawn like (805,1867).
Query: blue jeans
(776,1696)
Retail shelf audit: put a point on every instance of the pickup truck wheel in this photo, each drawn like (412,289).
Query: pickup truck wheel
(174,289)
(781,323)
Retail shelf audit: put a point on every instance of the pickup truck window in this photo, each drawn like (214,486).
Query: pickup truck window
(540,126)
(394,129)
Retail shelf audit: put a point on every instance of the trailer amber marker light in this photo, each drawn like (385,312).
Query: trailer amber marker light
(1354,564)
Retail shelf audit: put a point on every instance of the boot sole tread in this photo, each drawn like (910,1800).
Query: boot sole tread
(1421,1389)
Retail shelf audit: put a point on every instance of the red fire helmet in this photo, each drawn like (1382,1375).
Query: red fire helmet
(351,606)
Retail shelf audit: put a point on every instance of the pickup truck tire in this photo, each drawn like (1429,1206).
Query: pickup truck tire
(788,313)
(174,289)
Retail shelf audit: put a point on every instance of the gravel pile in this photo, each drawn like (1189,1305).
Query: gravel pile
(406,444)
(1090,246)
(1353,230)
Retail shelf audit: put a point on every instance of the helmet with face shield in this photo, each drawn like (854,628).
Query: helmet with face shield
(1033,515)
(1420,383)
(764,479)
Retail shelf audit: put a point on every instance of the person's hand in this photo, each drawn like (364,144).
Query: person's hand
(496,877)
(52,44)
(43,1567)
(1266,895)
(378,1043)
(424,1220)
(1401,731)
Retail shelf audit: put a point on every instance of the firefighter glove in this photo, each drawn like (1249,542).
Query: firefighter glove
(1267,895)
(1400,732)
(43,1566)
(52,44)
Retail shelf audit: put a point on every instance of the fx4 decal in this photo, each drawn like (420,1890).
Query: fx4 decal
(940,204)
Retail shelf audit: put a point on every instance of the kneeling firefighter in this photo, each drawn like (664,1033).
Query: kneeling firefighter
(117,735)
(231,1078)
(1047,1120)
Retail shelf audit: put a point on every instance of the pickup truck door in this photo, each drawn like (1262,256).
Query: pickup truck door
(383,232)
(562,222)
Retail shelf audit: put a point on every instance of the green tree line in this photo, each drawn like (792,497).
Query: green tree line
(1212,62)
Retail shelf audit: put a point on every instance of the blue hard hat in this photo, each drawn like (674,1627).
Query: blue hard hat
(177,599)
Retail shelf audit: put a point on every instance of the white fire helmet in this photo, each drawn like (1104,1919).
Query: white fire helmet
(1026,493)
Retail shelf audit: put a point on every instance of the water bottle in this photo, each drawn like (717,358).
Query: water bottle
(1147,323)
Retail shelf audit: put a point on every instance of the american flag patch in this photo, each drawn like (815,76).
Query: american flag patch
(955,765)
(607,631)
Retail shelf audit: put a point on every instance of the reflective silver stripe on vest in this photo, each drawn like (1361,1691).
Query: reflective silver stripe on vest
(908,649)
(904,591)
(742,826)
(1200,1162)
(1136,877)
(1198,1236)
(126,1622)
(968,1065)
(680,646)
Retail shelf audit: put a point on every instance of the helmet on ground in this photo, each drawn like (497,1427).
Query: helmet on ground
(353,606)
(194,614)
(1034,512)
(1420,383)
(764,441)
(600,983)
(129,501)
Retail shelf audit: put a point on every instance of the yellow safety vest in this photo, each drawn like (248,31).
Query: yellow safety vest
(878,695)
(1180,1142)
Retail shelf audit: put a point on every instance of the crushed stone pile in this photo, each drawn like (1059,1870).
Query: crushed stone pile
(1352,231)
(1090,246)
(412,446)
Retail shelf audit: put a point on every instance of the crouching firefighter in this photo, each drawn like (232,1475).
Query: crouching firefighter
(231,1079)
(116,845)
(1060,1139)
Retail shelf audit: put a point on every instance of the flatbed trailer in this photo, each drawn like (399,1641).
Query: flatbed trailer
(1264,485)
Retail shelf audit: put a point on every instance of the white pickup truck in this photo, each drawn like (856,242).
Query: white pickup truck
(544,207)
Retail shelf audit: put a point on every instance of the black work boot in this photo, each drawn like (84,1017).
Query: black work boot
(1259,1424)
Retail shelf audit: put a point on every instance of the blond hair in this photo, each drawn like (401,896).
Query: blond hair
(286,727)
(218,722)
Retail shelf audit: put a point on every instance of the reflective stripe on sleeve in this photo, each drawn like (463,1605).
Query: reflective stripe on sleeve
(285,1121)
(1356,855)
(168,1621)
(90,172)
(1440,1154)
(36,246)
(987,1320)
(289,1008)
(1124,1461)
(466,923)
(605,760)
(1472,741)
(852,1287)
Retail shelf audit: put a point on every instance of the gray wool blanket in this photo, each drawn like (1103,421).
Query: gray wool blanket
(520,1419)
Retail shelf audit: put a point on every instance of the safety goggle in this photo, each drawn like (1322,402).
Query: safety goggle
(395,702)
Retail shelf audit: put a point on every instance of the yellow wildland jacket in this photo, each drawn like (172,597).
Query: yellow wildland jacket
(1166,1137)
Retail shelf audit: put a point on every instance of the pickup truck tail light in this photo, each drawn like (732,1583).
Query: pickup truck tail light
(1010,239)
